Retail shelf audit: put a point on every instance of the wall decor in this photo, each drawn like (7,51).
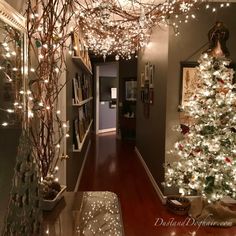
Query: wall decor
(130,90)
(189,81)
(146,92)
(142,79)
(142,95)
(147,70)
(151,75)
(108,24)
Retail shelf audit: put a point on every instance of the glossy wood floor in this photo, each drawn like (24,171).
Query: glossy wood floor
(114,166)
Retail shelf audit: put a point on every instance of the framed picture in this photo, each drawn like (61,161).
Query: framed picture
(130,90)
(151,76)
(142,79)
(76,43)
(146,71)
(189,81)
(146,92)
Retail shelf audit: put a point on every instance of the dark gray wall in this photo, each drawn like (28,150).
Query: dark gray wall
(127,69)
(150,133)
(166,51)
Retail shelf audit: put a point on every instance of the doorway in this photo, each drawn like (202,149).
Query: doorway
(107,80)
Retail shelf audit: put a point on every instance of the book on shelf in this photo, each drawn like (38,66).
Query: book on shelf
(82,127)
(79,89)
(75,90)
(82,88)
(75,39)
(79,49)
(76,139)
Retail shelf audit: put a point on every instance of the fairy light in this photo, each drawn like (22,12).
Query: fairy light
(10,111)
(30,114)
(116,21)
(4,124)
(45,46)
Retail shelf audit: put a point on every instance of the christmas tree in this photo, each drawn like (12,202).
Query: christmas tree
(206,162)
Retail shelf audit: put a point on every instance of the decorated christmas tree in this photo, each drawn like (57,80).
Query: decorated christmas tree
(206,163)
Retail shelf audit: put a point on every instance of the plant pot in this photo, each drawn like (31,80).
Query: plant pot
(178,205)
(48,205)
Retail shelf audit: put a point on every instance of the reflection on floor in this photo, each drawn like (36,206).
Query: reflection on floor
(113,165)
(9,139)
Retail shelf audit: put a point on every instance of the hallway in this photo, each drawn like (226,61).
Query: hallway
(113,165)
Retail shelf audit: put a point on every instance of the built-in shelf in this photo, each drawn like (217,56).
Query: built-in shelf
(82,102)
(83,141)
(80,61)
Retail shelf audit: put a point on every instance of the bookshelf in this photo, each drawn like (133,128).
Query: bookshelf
(80,144)
(81,62)
(79,108)
(82,102)
(81,125)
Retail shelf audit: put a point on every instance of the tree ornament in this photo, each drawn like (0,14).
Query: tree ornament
(38,43)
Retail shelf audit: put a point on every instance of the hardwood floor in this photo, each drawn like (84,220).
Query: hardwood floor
(113,165)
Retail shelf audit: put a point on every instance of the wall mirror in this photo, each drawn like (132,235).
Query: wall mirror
(12,89)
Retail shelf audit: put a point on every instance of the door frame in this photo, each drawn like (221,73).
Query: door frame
(97,97)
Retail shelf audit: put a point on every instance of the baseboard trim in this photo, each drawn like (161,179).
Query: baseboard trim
(106,130)
(155,185)
(82,168)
